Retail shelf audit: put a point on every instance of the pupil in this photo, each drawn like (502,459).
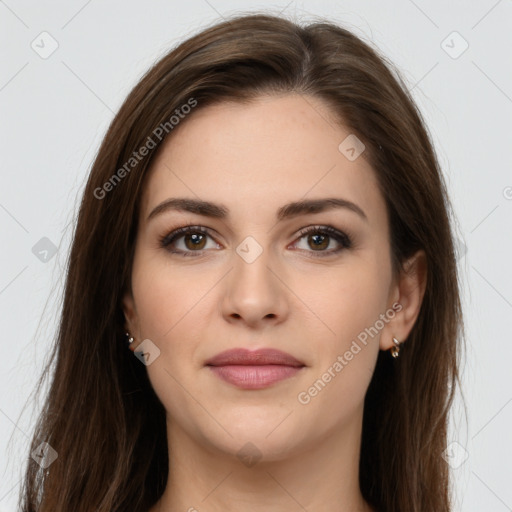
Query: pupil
(319,240)
(196,239)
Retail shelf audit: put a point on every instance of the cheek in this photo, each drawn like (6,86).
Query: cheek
(174,309)
(165,296)
(171,312)
(345,356)
(350,301)
(344,301)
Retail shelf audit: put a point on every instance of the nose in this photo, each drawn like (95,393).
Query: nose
(255,294)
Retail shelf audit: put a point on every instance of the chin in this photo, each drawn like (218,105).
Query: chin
(265,438)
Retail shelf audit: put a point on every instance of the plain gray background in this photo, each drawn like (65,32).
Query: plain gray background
(55,110)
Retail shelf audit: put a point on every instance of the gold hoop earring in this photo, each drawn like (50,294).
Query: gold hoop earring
(395,351)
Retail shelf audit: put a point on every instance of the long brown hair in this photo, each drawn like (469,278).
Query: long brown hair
(101,415)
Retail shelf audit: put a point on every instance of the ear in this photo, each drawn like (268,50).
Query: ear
(407,292)
(130,314)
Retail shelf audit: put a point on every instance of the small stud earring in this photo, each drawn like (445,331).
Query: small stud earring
(395,351)
(130,341)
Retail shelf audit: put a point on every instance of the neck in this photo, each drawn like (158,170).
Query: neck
(322,477)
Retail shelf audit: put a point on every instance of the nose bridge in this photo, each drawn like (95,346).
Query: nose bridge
(253,291)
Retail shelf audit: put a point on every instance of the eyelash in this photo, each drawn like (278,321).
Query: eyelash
(342,238)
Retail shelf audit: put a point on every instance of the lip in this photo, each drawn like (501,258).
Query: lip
(262,356)
(254,369)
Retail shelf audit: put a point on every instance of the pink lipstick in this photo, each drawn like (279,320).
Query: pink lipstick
(255,369)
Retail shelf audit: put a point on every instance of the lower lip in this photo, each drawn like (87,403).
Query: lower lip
(254,377)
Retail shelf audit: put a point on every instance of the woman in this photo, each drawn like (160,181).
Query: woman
(267,229)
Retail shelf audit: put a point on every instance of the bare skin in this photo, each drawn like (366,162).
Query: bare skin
(297,296)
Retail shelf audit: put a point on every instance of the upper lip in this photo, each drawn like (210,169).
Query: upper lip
(243,356)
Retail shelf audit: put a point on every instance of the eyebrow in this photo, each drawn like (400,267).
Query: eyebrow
(290,210)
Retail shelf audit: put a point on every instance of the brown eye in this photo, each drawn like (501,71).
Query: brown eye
(318,241)
(319,238)
(193,239)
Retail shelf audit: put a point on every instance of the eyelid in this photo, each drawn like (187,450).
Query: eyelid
(177,233)
(343,238)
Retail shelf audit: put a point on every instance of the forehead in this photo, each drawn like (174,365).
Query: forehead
(255,157)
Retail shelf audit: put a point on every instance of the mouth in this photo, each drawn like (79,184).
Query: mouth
(254,369)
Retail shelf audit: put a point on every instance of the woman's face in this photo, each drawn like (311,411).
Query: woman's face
(253,280)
